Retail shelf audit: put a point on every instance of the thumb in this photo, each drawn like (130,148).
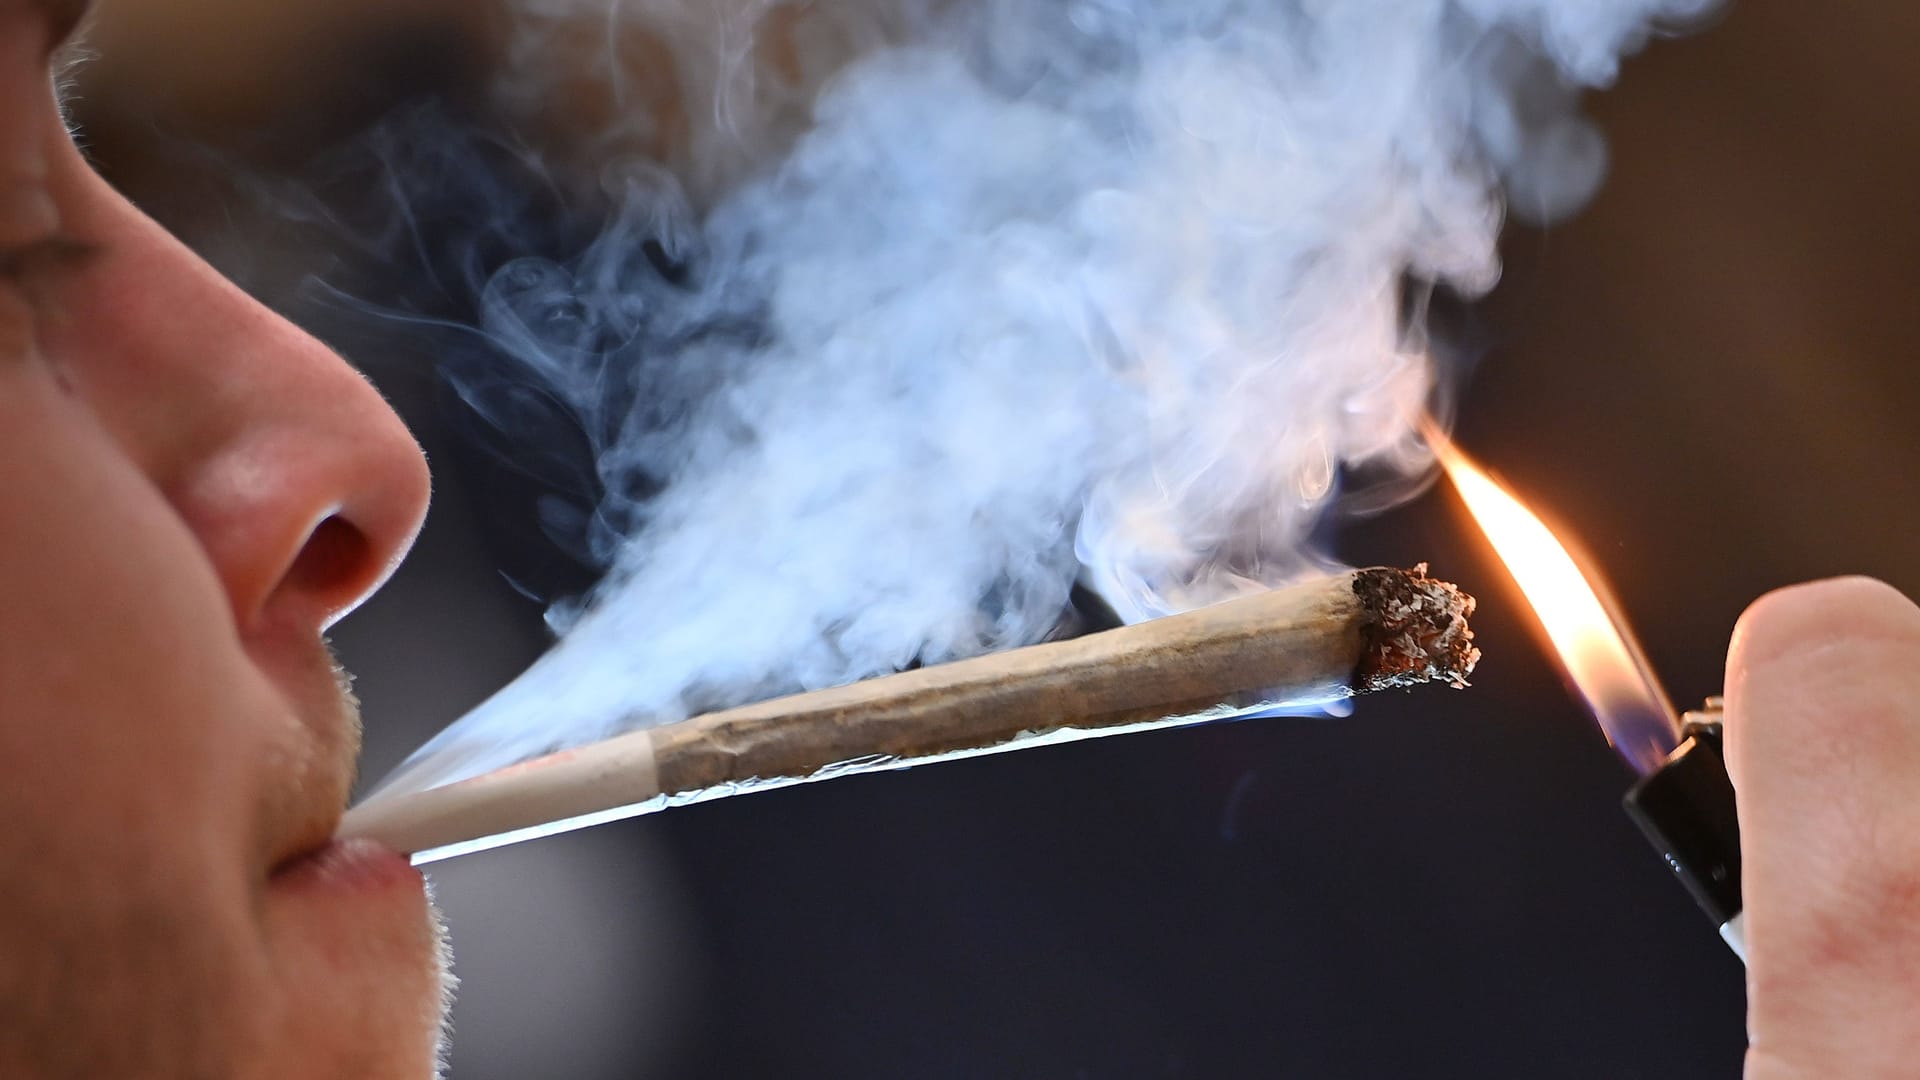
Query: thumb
(1823,742)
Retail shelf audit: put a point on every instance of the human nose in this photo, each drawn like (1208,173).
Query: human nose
(300,483)
(312,497)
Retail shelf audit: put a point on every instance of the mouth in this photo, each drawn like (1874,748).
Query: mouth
(346,865)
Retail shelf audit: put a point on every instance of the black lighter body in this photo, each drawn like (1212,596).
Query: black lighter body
(1686,809)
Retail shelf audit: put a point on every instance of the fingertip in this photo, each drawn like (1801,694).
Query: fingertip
(1787,621)
(1823,743)
(1808,655)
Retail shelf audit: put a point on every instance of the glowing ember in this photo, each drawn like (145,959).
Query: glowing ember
(1595,647)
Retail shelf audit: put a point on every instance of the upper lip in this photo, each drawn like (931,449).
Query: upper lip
(313,819)
(316,779)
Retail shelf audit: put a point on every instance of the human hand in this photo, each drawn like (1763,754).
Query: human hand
(1823,743)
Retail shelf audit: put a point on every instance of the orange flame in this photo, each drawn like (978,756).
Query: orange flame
(1594,645)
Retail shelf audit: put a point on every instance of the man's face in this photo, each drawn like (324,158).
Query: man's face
(190,491)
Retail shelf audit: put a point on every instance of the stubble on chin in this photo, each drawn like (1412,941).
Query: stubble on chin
(448,984)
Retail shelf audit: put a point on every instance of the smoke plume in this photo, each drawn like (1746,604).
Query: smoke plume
(910,317)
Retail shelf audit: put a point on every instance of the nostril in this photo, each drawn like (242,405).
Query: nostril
(333,568)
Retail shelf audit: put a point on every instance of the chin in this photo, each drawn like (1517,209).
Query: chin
(361,956)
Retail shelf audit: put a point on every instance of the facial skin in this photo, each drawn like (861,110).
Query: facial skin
(191,491)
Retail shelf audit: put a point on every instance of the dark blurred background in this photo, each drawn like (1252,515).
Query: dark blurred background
(1706,377)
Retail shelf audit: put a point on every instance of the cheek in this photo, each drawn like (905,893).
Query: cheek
(124,736)
(124,688)
(108,973)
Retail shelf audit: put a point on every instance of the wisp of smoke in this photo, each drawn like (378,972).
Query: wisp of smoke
(937,309)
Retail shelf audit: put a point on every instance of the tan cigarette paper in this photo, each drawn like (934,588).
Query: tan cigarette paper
(1316,642)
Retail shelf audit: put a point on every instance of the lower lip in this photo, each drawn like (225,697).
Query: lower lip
(357,865)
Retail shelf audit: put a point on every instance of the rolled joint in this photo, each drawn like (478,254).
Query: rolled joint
(1413,630)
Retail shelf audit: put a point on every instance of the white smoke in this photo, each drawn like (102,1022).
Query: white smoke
(1021,293)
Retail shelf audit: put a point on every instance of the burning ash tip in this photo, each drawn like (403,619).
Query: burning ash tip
(1415,630)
